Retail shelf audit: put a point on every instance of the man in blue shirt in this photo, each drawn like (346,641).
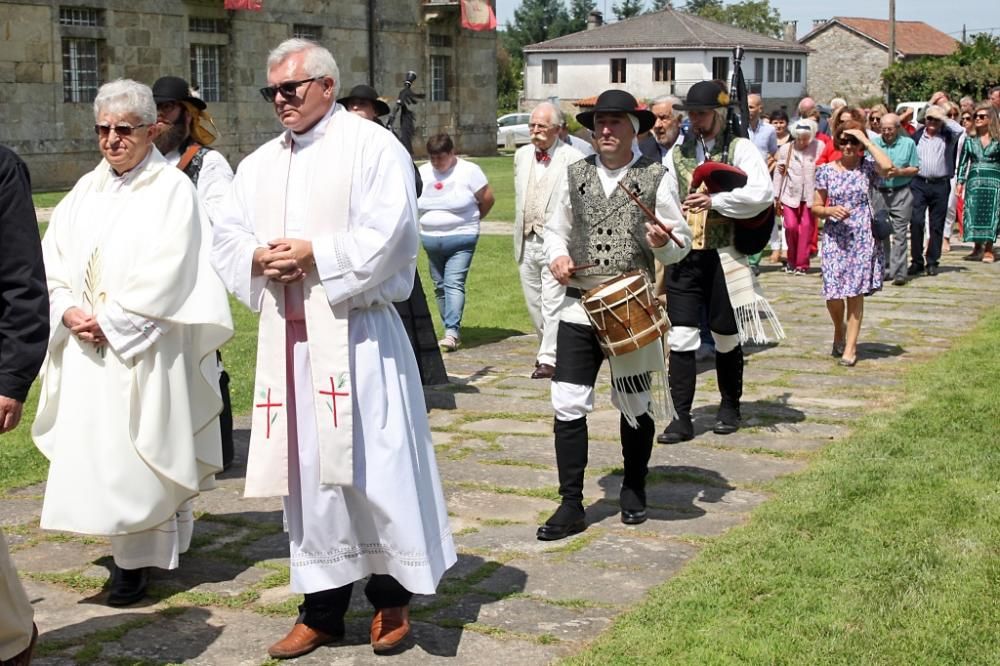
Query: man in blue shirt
(766,139)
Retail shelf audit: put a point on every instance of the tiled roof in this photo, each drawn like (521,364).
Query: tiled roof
(666,29)
(913,38)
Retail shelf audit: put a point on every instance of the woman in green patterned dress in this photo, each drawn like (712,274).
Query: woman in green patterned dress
(979,181)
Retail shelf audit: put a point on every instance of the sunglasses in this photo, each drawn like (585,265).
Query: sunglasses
(287,89)
(120,130)
(966,118)
(847,138)
(982,116)
(875,119)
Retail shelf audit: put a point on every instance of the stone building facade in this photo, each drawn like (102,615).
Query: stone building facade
(849,54)
(54,54)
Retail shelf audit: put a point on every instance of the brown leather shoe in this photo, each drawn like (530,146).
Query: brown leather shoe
(299,641)
(544,371)
(23,658)
(389,627)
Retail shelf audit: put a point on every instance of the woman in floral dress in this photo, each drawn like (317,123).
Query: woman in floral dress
(852,259)
(979,181)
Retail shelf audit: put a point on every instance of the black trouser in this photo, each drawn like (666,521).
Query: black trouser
(929,196)
(324,611)
(226,418)
(696,282)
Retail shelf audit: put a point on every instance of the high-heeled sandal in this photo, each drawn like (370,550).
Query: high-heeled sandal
(848,363)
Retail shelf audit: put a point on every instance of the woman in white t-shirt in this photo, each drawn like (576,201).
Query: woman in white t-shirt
(455,197)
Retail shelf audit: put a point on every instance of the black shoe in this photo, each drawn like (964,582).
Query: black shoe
(128,586)
(914,270)
(932,270)
(727,421)
(899,282)
(680,430)
(566,521)
(633,506)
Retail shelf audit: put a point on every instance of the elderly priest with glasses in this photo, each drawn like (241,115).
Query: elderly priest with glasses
(129,405)
(320,237)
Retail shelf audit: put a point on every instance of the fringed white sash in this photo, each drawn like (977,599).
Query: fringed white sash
(747,298)
(326,325)
(642,371)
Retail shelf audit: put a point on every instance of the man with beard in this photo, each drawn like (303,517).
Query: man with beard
(184,143)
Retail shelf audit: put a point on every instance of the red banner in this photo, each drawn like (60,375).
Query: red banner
(248,5)
(478,15)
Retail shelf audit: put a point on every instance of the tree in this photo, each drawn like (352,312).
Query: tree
(658,5)
(508,81)
(701,7)
(579,10)
(971,70)
(627,9)
(535,21)
(753,15)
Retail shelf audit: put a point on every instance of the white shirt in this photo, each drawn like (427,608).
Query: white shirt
(213,180)
(448,202)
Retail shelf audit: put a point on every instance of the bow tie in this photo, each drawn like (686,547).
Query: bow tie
(542,156)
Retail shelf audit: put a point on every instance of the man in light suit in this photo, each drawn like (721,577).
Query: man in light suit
(539,178)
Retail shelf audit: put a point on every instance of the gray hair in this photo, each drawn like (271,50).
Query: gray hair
(672,100)
(838,103)
(318,61)
(556,117)
(126,97)
(804,127)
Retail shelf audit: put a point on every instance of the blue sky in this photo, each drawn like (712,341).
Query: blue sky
(978,16)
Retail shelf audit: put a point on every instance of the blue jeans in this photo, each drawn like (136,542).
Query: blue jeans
(449,258)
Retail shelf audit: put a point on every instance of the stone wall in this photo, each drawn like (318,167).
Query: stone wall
(146,39)
(843,64)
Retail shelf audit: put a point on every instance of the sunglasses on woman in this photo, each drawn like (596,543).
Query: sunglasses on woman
(847,138)
(966,119)
(982,116)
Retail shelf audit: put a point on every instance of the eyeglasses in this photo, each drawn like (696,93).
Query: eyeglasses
(966,119)
(287,89)
(953,115)
(982,116)
(847,138)
(120,130)
(540,126)
(931,119)
(875,119)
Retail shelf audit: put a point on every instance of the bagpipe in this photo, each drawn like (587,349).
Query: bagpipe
(750,235)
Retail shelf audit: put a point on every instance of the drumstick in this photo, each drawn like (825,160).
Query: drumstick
(650,214)
(581,267)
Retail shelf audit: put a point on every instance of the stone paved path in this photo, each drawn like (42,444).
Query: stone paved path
(510,599)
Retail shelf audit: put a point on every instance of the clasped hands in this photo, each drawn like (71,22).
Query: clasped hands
(286,260)
(84,326)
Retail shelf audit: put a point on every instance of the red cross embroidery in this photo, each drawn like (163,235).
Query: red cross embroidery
(268,405)
(333,393)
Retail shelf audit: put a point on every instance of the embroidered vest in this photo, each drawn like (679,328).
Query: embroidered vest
(611,231)
(709,229)
(534,204)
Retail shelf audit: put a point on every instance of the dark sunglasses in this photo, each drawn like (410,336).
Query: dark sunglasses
(982,116)
(966,118)
(287,89)
(847,138)
(120,130)
(875,119)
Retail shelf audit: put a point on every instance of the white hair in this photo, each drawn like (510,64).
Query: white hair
(556,117)
(672,100)
(838,102)
(126,97)
(804,127)
(318,61)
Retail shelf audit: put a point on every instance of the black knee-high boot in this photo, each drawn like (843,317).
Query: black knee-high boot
(571,440)
(682,375)
(729,373)
(637,445)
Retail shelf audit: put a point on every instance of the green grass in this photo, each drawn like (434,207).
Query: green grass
(884,552)
(500,174)
(48,199)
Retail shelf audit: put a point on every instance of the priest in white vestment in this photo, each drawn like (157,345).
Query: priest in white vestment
(129,404)
(319,235)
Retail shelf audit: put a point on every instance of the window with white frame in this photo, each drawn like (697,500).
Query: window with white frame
(550,71)
(207,25)
(206,71)
(664,69)
(81,16)
(618,70)
(439,78)
(81,69)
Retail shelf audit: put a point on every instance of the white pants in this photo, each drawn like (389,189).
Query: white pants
(159,547)
(16,614)
(777,241)
(543,296)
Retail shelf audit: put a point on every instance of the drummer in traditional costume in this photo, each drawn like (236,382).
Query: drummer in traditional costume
(715,274)
(598,235)
(320,237)
(128,414)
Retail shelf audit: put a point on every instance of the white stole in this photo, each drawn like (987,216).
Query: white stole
(326,325)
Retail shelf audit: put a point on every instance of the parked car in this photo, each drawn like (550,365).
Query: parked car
(515,125)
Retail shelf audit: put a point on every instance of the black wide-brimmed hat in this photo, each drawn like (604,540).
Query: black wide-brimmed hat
(617,101)
(703,96)
(175,89)
(368,93)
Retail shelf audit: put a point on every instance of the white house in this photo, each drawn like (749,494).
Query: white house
(660,53)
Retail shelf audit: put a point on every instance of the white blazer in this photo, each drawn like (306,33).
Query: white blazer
(562,156)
